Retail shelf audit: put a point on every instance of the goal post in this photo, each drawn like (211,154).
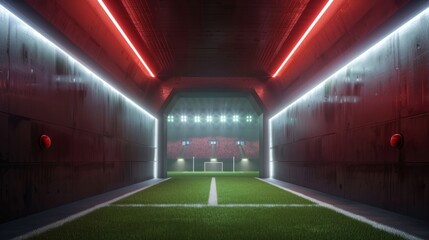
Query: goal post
(213,166)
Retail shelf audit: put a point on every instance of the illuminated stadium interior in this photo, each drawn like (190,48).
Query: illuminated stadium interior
(212,127)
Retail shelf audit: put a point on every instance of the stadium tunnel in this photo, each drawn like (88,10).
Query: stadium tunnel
(86,88)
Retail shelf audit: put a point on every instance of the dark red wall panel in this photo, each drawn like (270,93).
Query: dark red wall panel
(337,137)
(100,141)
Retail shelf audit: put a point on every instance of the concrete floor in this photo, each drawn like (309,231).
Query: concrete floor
(53,216)
(415,227)
(25,225)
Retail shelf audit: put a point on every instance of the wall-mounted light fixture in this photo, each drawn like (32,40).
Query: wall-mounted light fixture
(45,142)
(397,141)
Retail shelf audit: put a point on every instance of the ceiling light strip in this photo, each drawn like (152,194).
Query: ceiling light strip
(303,36)
(125,36)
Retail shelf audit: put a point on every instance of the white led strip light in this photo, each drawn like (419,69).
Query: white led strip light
(320,85)
(5,11)
(292,52)
(112,18)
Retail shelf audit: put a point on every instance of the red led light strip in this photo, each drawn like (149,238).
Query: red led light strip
(303,36)
(125,36)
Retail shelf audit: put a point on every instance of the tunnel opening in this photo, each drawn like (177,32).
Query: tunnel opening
(212,131)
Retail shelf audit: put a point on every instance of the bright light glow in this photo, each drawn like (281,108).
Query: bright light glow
(304,36)
(270,143)
(170,118)
(213,159)
(209,118)
(107,11)
(333,76)
(197,119)
(155,157)
(223,118)
(180,160)
(248,118)
(235,118)
(213,142)
(244,159)
(183,118)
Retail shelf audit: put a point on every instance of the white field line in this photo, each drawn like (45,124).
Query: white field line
(207,205)
(80,214)
(213,193)
(349,214)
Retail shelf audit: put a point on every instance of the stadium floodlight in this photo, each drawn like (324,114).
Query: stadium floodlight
(249,118)
(186,142)
(209,118)
(223,118)
(170,118)
(183,118)
(197,119)
(235,118)
(240,142)
(213,142)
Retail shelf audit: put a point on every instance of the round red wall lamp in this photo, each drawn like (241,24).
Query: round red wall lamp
(397,140)
(45,141)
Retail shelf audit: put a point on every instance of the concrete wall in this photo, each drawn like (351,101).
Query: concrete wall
(336,138)
(100,140)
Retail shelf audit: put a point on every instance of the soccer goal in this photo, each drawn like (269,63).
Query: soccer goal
(213,166)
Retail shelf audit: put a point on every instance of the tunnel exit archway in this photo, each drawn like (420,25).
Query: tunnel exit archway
(212,131)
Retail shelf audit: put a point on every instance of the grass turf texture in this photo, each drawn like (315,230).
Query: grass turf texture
(311,222)
(178,190)
(214,174)
(215,223)
(252,191)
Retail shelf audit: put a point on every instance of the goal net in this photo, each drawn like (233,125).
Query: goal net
(213,166)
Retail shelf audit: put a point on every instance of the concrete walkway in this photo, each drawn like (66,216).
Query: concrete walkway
(415,227)
(30,223)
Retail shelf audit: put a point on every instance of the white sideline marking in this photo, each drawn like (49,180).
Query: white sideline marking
(349,214)
(80,214)
(213,193)
(206,205)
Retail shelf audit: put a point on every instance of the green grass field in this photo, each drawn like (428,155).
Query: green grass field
(123,221)
(179,190)
(213,174)
(253,191)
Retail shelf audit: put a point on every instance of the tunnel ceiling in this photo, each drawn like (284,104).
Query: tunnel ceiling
(215,38)
(200,38)
(228,44)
